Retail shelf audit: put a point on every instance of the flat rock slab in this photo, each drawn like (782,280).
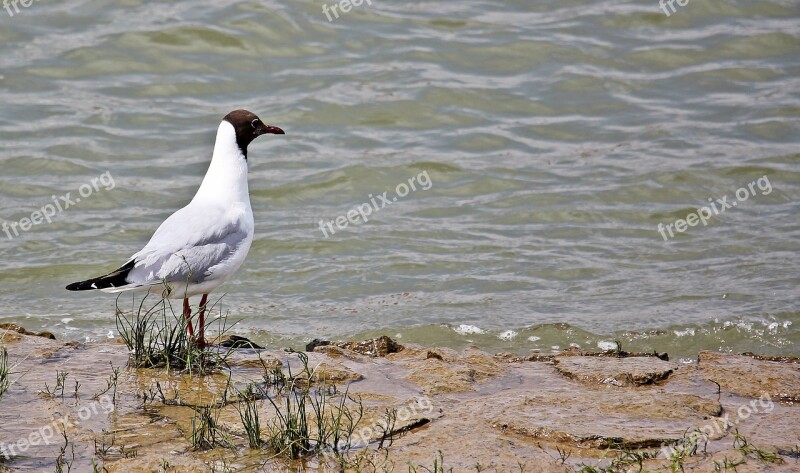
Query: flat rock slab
(621,372)
(440,371)
(627,419)
(751,377)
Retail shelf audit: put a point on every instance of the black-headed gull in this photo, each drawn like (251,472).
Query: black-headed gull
(200,245)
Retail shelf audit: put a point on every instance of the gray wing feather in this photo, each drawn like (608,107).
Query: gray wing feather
(187,247)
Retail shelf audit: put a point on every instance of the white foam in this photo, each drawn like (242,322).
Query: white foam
(465,329)
(507,335)
(773,327)
(605,345)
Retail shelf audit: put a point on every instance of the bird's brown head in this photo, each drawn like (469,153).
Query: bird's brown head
(249,127)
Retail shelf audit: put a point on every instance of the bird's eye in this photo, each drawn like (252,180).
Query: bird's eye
(254,124)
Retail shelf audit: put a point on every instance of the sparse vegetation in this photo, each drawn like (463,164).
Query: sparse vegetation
(306,421)
(105,447)
(387,427)
(157,337)
(438,466)
(740,443)
(563,454)
(206,433)
(58,390)
(248,413)
(633,460)
(727,464)
(5,383)
(111,385)
(624,460)
(63,461)
(686,447)
(628,458)
(589,469)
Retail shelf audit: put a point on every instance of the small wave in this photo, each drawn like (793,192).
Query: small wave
(605,345)
(683,333)
(465,329)
(507,335)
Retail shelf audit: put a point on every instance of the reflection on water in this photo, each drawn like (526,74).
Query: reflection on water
(559,135)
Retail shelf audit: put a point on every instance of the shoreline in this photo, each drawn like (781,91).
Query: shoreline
(682,341)
(467,409)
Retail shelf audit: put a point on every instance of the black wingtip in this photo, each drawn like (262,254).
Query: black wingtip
(77,286)
(113,279)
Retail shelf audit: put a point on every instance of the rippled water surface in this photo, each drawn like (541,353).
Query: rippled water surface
(555,138)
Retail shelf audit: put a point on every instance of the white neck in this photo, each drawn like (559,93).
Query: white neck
(226,178)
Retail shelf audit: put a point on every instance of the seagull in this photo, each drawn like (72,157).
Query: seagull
(202,244)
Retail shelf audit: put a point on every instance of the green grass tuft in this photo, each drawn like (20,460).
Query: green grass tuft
(5,383)
(157,337)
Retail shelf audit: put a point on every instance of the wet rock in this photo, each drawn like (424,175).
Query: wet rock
(621,372)
(14,328)
(376,347)
(752,377)
(626,419)
(22,331)
(450,373)
(7,337)
(235,341)
(509,357)
(778,359)
(420,353)
(617,353)
(433,354)
(334,374)
(334,352)
(266,363)
(538,357)
(406,418)
(317,343)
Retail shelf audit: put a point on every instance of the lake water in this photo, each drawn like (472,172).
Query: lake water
(548,140)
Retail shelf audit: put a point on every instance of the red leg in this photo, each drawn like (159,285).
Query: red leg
(202,326)
(187,316)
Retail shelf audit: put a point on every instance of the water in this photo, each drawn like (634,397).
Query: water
(556,137)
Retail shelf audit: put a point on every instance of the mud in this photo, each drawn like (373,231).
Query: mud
(468,409)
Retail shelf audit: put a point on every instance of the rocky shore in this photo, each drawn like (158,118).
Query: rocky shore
(419,409)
